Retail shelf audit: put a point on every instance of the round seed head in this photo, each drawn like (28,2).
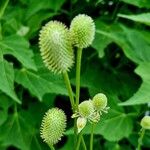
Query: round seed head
(82,30)
(55,47)
(145,122)
(99,101)
(53,126)
(86,108)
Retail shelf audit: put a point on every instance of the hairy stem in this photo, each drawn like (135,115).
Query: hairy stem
(91,138)
(70,92)
(78,70)
(140,139)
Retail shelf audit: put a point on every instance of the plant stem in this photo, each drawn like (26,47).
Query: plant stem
(83,143)
(79,141)
(70,92)
(140,139)
(51,147)
(78,70)
(91,138)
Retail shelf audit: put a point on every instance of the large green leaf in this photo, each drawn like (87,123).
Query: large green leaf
(19,131)
(138,3)
(19,48)
(136,49)
(41,82)
(142,96)
(7,79)
(142,18)
(100,43)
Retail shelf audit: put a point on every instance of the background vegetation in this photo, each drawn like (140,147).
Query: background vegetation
(117,64)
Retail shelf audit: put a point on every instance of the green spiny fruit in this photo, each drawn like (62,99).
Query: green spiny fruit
(145,122)
(86,108)
(55,46)
(99,101)
(53,126)
(82,30)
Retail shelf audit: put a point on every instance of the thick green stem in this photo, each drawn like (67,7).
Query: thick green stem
(140,139)
(70,92)
(51,147)
(91,138)
(78,70)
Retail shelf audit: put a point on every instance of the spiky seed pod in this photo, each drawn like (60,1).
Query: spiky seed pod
(55,46)
(82,31)
(53,126)
(86,108)
(99,101)
(145,122)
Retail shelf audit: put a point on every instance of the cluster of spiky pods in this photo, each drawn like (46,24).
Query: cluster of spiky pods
(56,46)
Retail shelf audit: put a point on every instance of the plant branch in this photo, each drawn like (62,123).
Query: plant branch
(91,138)
(140,139)
(70,92)
(78,70)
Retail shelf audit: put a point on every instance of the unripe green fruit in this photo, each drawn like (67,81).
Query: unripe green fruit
(53,126)
(99,101)
(82,30)
(55,46)
(86,108)
(145,122)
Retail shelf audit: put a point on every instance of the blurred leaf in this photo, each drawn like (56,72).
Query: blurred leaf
(100,43)
(19,48)
(4,105)
(7,79)
(142,96)
(138,3)
(3,5)
(142,18)
(20,132)
(35,6)
(136,49)
(40,84)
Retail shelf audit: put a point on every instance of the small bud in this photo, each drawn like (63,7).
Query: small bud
(55,46)
(86,108)
(82,30)
(53,126)
(145,122)
(99,101)
(81,122)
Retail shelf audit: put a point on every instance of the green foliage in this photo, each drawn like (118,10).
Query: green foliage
(117,64)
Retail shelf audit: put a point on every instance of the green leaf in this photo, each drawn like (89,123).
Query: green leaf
(19,48)
(7,79)
(138,3)
(5,102)
(19,132)
(142,96)
(40,83)
(100,43)
(3,6)
(142,18)
(136,49)
(36,6)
